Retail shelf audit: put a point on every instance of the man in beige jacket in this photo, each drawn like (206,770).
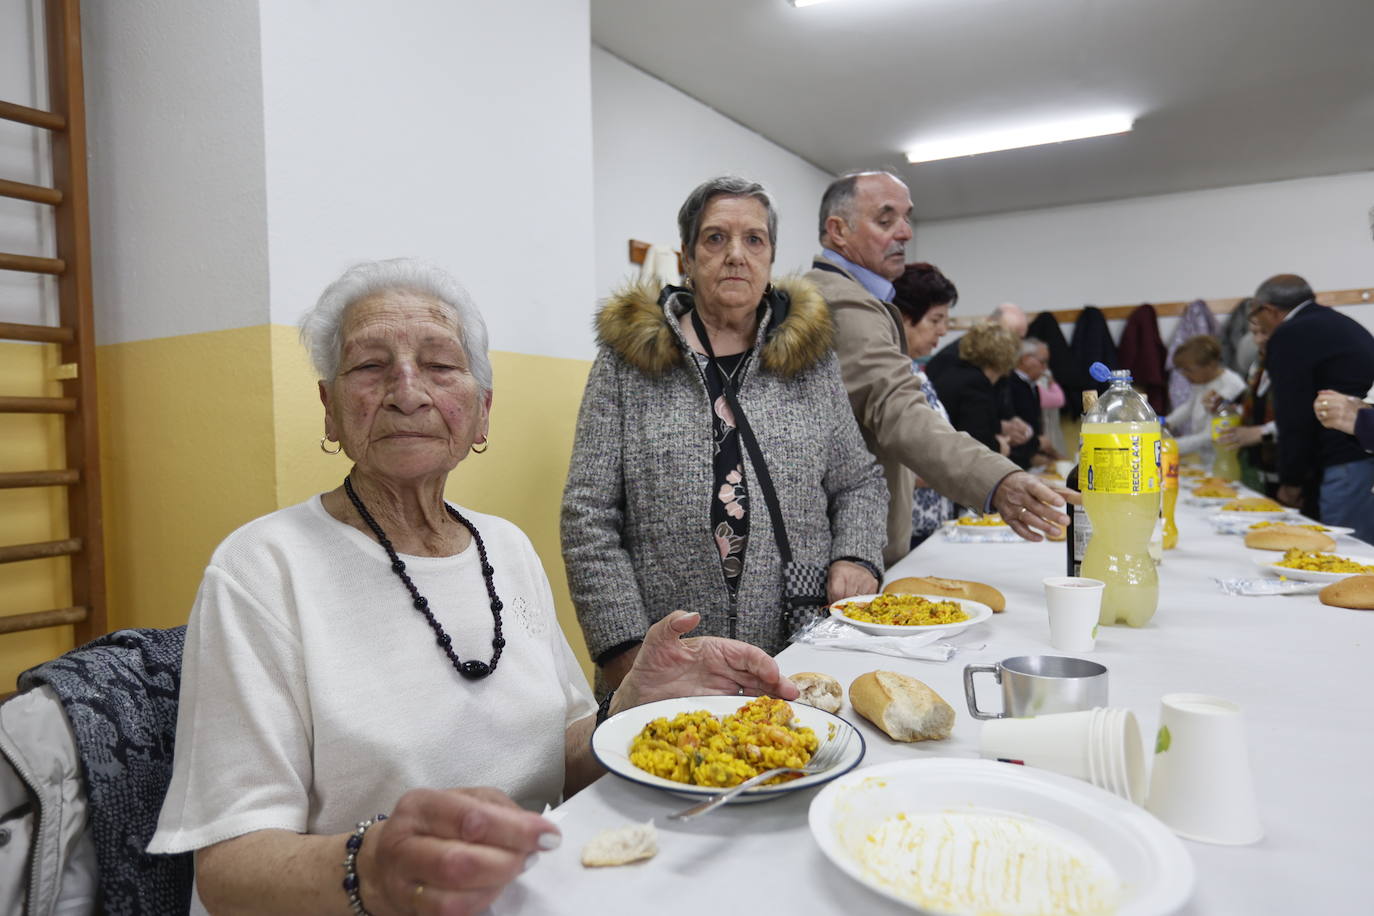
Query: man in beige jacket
(864,227)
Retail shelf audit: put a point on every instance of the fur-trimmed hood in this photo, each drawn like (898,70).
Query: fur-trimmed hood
(636,326)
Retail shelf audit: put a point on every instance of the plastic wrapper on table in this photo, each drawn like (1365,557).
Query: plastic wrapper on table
(1262,587)
(829,633)
(978,534)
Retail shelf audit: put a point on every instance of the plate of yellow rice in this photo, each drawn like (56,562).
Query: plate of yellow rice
(907,615)
(1307,566)
(697,746)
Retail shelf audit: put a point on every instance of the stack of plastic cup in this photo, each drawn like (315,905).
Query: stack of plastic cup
(1101,746)
(1117,755)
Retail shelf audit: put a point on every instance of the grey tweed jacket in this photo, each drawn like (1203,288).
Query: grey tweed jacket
(636,521)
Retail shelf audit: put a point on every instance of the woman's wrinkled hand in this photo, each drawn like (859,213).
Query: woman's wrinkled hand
(1241,436)
(449,851)
(846,579)
(670,666)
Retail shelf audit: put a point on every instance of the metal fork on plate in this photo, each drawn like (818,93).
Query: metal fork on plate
(829,754)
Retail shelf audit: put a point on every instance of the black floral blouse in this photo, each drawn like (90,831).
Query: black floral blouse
(730,503)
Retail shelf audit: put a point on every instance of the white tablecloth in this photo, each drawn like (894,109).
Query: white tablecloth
(1303,672)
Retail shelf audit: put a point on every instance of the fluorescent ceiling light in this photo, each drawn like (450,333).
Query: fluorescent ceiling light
(1036,135)
(801,3)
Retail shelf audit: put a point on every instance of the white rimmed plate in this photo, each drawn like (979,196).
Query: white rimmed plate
(1208,502)
(612,738)
(995,526)
(1153,868)
(1256,515)
(1312,575)
(977,612)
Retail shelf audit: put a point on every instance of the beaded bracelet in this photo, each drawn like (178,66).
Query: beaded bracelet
(350,865)
(604,709)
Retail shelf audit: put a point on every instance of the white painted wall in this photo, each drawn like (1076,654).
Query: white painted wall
(654,144)
(25,228)
(178,202)
(1205,244)
(454,131)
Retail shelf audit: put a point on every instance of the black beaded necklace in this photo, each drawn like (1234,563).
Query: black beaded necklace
(471,669)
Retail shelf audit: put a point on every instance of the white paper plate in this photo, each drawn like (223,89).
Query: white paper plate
(977,612)
(612,738)
(1309,575)
(1229,523)
(1154,869)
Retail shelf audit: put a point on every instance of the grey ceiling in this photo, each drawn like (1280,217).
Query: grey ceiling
(1226,91)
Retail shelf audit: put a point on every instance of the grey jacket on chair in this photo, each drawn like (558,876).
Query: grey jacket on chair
(118,695)
(636,523)
(47,858)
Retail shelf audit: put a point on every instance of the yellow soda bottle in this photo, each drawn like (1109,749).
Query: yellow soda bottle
(1226,458)
(1119,462)
(1168,472)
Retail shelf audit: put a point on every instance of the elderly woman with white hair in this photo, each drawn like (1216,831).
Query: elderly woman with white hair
(377,649)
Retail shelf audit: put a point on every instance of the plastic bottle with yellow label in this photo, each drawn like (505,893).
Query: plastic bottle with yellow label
(1226,458)
(1119,475)
(1168,473)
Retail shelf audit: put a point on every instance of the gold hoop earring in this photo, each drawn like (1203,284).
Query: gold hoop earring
(486,444)
(338,448)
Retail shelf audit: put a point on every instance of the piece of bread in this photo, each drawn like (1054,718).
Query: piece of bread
(621,845)
(903,707)
(1286,537)
(1354,592)
(948,588)
(819,690)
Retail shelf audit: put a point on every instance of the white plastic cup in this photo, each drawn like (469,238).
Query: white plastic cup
(1074,604)
(1201,785)
(1058,742)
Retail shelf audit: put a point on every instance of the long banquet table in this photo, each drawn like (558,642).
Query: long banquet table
(1303,673)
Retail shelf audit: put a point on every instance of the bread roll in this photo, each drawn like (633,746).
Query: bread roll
(1354,592)
(819,690)
(948,588)
(621,845)
(1285,537)
(903,707)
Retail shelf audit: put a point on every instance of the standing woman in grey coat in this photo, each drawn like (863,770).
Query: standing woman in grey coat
(662,508)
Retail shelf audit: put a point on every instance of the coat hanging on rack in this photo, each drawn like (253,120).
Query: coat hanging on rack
(1238,349)
(1092,343)
(1142,351)
(1062,366)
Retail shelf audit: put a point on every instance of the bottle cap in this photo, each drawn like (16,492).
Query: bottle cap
(1101,373)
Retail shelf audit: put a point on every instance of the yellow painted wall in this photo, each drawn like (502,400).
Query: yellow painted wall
(186,450)
(203,432)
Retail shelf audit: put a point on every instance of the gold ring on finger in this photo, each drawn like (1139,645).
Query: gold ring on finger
(416,894)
